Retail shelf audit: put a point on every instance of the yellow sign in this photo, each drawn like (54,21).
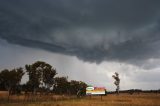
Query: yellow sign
(95,90)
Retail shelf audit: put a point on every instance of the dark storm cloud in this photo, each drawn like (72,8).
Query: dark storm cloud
(92,30)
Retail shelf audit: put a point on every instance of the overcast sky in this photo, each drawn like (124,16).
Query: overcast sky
(86,40)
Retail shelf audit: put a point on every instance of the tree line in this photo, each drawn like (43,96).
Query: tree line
(42,79)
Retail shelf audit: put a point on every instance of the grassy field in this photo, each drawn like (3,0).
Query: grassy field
(147,99)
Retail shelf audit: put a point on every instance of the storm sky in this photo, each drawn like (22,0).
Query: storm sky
(86,40)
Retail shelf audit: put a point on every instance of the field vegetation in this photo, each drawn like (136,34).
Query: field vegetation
(124,99)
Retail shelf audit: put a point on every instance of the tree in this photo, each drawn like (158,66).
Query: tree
(78,88)
(117,81)
(11,79)
(48,76)
(40,74)
(61,85)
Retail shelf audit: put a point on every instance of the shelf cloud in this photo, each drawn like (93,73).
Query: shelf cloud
(92,30)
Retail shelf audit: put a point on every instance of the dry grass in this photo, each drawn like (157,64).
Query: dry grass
(109,100)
